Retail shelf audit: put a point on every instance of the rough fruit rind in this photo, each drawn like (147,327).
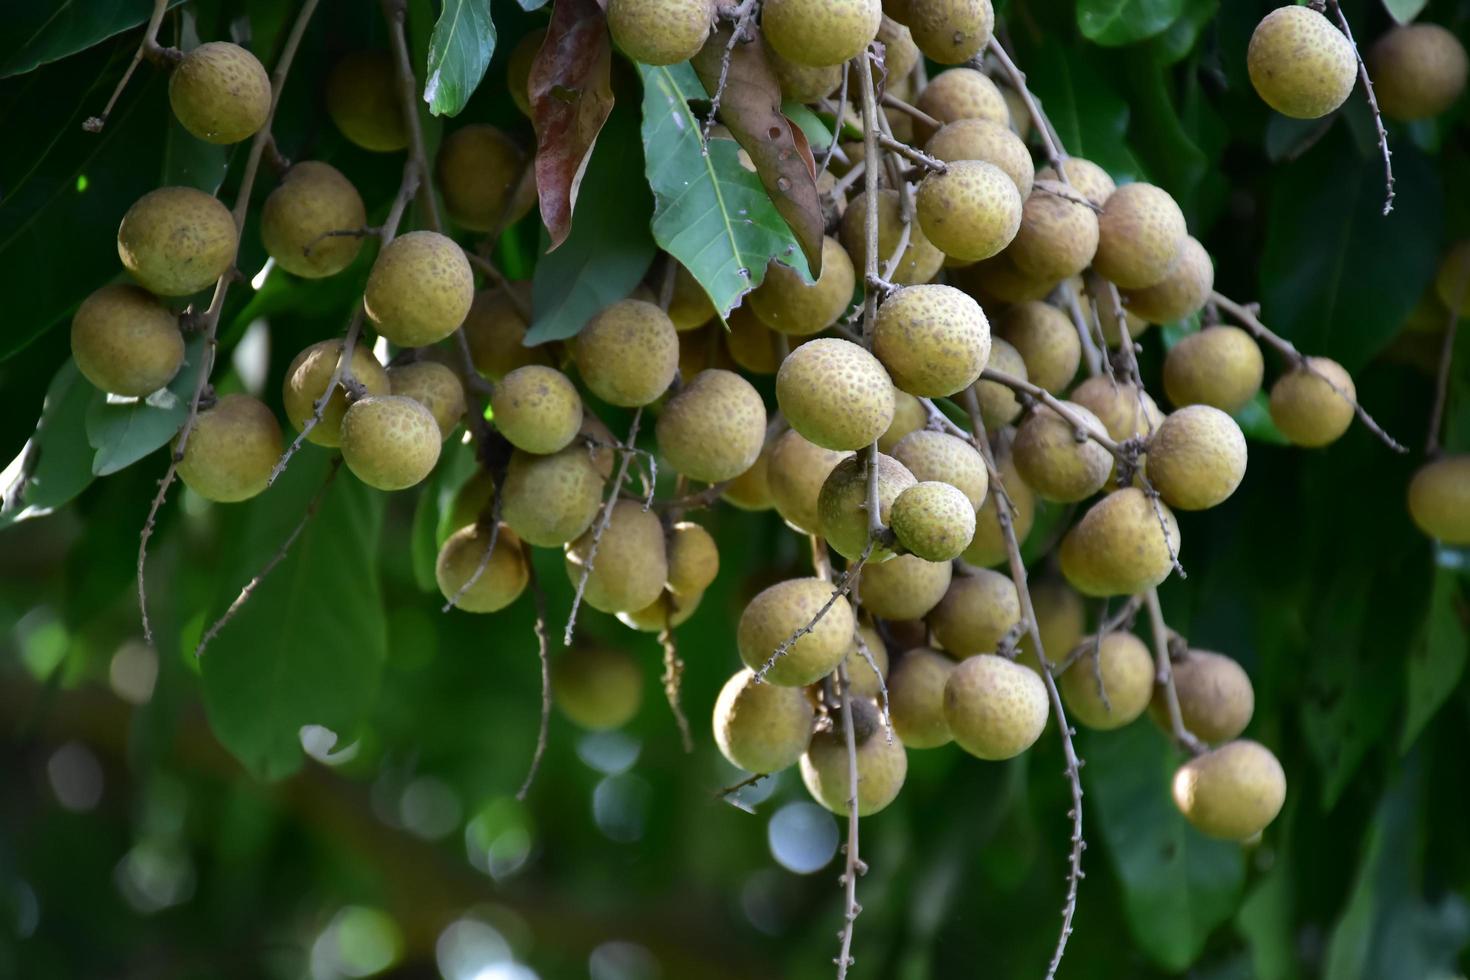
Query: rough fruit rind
(713,429)
(934,340)
(313,199)
(1439,499)
(1109,688)
(628,354)
(177,240)
(503,579)
(1119,547)
(761,727)
(1232,792)
(1300,64)
(996,709)
(390,442)
(126,342)
(835,393)
(220,93)
(307,378)
(776,613)
(817,33)
(1314,407)
(916,699)
(881,764)
(420,289)
(232,449)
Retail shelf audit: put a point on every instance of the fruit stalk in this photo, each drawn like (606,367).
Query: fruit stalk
(1185,739)
(1347,30)
(543,649)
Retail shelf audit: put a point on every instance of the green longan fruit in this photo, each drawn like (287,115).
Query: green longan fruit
(362,99)
(916,699)
(842,515)
(919,261)
(961,93)
(433,386)
(761,728)
(518,68)
(1084,177)
(126,342)
(751,490)
(1054,461)
(1452,282)
(909,415)
(549,500)
(1314,408)
(177,240)
(752,345)
(951,32)
(988,546)
(668,611)
(1235,791)
(597,688)
(1439,499)
(306,381)
(713,429)
(503,579)
(996,709)
(779,611)
(420,289)
(787,303)
(1181,293)
(881,765)
(1216,699)
(496,329)
(689,304)
(795,474)
(931,455)
(1119,546)
(628,354)
(1057,237)
(1047,342)
(478,170)
(802,83)
(1300,64)
(231,450)
(1219,366)
(934,340)
(835,394)
(975,614)
(933,520)
(220,93)
(660,32)
(1418,71)
(389,442)
(1140,236)
(1061,619)
(983,139)
(904,587)
(537,409)
(1197,458)
(694,559)
(862,682)
(312,200)
(1111,687)
(970,210)
(817,33)
(1120,406)
(630,566)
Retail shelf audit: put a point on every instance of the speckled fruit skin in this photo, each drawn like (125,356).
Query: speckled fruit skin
(934,340)
(916,699)
(1084,177)
(1127,671)
(389,442)
(549,500)
(1061,619)
(503,579)
(1053,462)
(933,520)
(1300,64)
(176,241)
(985,139)
(232,449)
(835,393)
(996,709)
(1216,699)
(1418,71)
(495,328)
(787,303)
(713,429)
(882,766)
(1439,499)
(975,613)
(362,99)
(597,688)
(1056,238)
(660,32)
(919,261)
(312,200)
(1452,281)
(306,380)
(970,210)
(1220,366)
(999,405)
(478,170)
(631,565)
(909,415)
(904,587)
(761,727)
(1119,548)
(931,455)
(1197,458)
(751,344)
(220,93)
(537,409)
(1233,792)
(126,342)
(1140,236)
(433,386)
(961,93)
(988,547)
(951,32)
(420,289)
(1309,410)
(1181,293)
(779,611)
(795,474)
(842,504)
(751,490)
(1119,407)
(1047,341)
(820,32)
(628,354)
(694,559)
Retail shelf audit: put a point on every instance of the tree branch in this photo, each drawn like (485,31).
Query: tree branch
(1165,676)
(1342,23)
(854,865)
(148,48)
(604,518)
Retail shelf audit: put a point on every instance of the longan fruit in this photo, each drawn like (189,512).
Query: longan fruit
(312,200)
(931,455)
(975,614)
(362,99)
(1047,341)
(900,55)
(934,340)
(909,415)
(1084,177)
(231,450)
(753,346)
(970,210)
(787,303)
(1216,699)
(597,688)
(126,342)
(472,499)
(916,699)
(628,354)
(951,32)
(630,566)
(881,765)
(1235,791)
(306,381)
(996,709)
(1061,619)
(1056,238)
(1140,236)
(177,240)
(842,514)
(1054,461)
(920,259)
(1314,408)
(689,304)
(933,520)
(1181,293)
(1452,282)
(761,728)
(220,93)
(495,329)
(999,405)
(984,139)
(660,32)
(1300,64)
(1113,689)
(817,33)
(803,83)
(433,386)
(389,442)
(1197,458)
(420,289)
(988,546)
(1119,546)
(1220,366)
(775,614)
(668,611)
(549,500)
(501,583)
(1120,406)
(713,429)
(862,681)
(998,282)
(751,490)
(478,170)
(537,409)
(904,587)
(1439,499)
(795,474)
(835,393)
(518,68)
(694,559)
(1418,71)
(960,93)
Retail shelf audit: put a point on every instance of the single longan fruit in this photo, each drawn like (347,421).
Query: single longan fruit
(774,615)
(835,393)
(1181,293)
(630,566)
(1119,546)
(803,83)
(920,259)
(1020,114)
(787,303)
(496,329)
(909,415)
(220,93)
(761,728)
(795,474)
(313,199)
(988,546)
(472,499)
(537,409)
(420,289)
(1047,342)
(306,381)
(177,240)
(689,304)
(628,354)
(999,405)
(881,765)
(1057,238)
(1084,177)
(904,587)
(549,500)
(862,681)
(362,99)
(232,449)
(1061,619)
(992,142)
(1120,406)
(1300,64)
(975,614)
(433,386)
(660,32)
(503,579)
(126,342)
(1197,458)
(842,514)
(1418,71)
(1216,699)
(817,33)
(1439,499)
(916,699)
(998,281)
(713,429)
(389,442)
(478,170)
(694,559)
(1111,687)
(751,490)
(996,709)
(1235,791)
(934,340)
(1452,282)
(1140,236)
(1054,461)
(1314,408)
(1219,366)
(752,345)
(518,68)
(961,93)
(951,32)
(597,688)
(667,612)
(933,520)
(970,210)
(931,455)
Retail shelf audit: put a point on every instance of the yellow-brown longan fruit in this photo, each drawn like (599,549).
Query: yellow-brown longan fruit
(916,699)
(1216,699)
(934,340)
(1084,177)
(919,261)
(1122,409)
(1057,237)
(503,579)
(931,455)
(306,381)
(1047,341)
(362,99)
(312,200)
(689,304)
(1140,236)
(1300,64)
(1111,687)
(817,33)
(630,566)
(998,404)
(126,342)
(668,611)
(1197,458)
(660,32)
(1418,71)
(900,55)
(420,289)
(988,546)
(975,614)
(231,450)
(909,415)
(549,500)
(628,354)
(518,68)
(694,560)
(1052,459)
(753,346)
(933,520)
(1234,791)
(997,281)
(881,765)
(862,681)
(951,32)
(751,490)
(835,393)
(1452,282)
(1119,546)
(177,240)
(795,474)
(597,688)
(983,139)
(433,386)
(785,302)
(961,93)
(472,499)
(1182,292)
(478,170)
(220,93)
(1314,408)
(761,727)
(389,442)
(1061,619)
(1439,499)
(1105,313)
(771,618)
(1219,366)
(803,83)
(970,210)
(996,709)
(495,330)
(904,587)
(537,409)
(842,515)
(713,429)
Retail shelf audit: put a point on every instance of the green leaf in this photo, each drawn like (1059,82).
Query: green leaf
(1254,419)
(1115,22)
(1090,116)
(1437,659)
(531,4)
(38,33)
(62,466)
(124,430)
(1404,11)
(459,52)
(1174,44)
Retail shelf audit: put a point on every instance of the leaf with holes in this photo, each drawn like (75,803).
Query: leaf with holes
(459,52)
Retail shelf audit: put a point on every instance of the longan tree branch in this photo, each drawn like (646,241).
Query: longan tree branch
(604,518)
(1347,30)
(727,794)
(1092,346)
(919,157)
(1121,620)
(740,15)
(395,13)
(854,865)
(914,112)
(1055,154)
(543,647)
(837,113)
(1185,739)
(148,48)
(1084,429)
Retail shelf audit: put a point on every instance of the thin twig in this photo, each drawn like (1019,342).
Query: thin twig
(1165,676)
(1342,22)
(339,374)
(148,48)
(493,519)
(604,518)
(1080,426)
(728,794)
(854,865)
(672,675)
(395,12)
(840,590)
(867,655)
(1092,346)
(919,157)
(741,16)
(914,112)
(837,112)
(1055,155)
(544,649)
